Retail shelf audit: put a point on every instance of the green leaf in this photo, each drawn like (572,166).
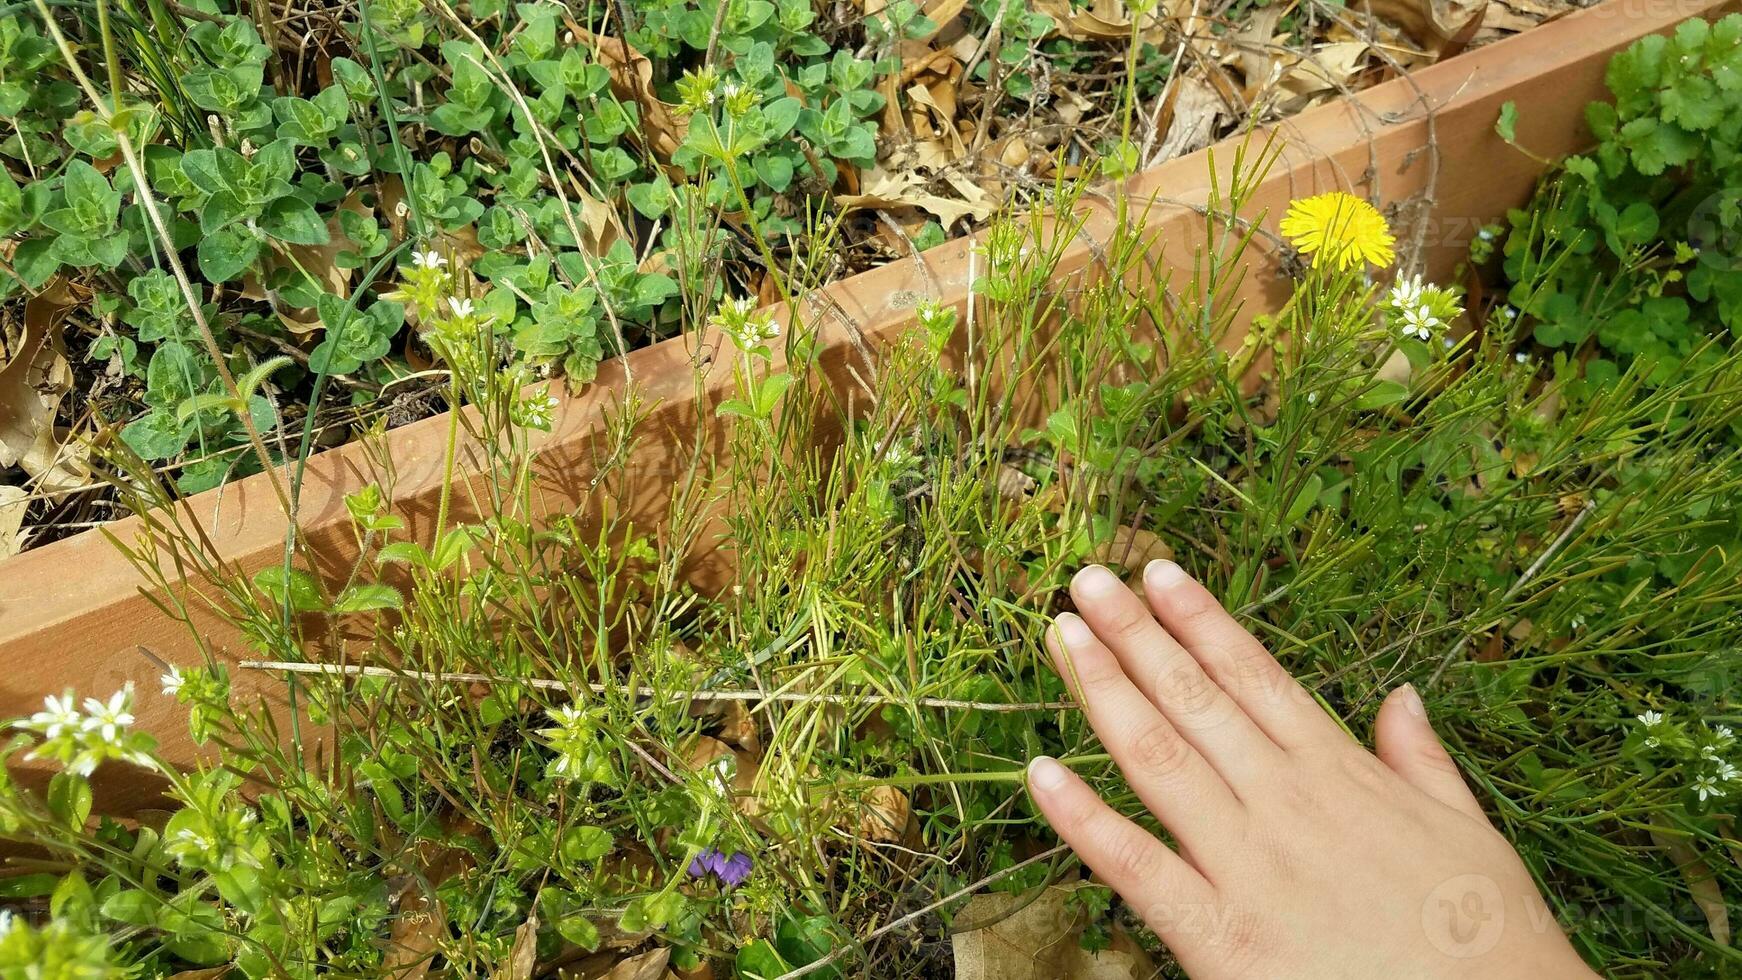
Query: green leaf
(367,597)
(408,552)
(157,436)
(1382,394)
(578,930)
(292,219)
(804,941)
(133,907)
(453,545)
(298,589)
(586,843)
(1507,124)
(228,253)
(35,261)
(779,116)
(34,886)
(69,799)
(775,171)
(89,191)
(759,961)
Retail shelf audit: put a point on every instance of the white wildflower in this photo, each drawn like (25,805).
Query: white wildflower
(1706,787)
(1406,293)
(57,717)
(462,307)
(110,720)
(428,260)
(1726,772)
(173,681)
(1650,719)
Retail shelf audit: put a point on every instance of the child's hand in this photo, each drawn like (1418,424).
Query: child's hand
(1300,854)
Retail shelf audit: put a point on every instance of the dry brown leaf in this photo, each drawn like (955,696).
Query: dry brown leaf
(1036,937)
(888,190)
(1702,884)
(883,815)
(1132,548)
(35,380)
(1422,23)
(1013,484)
(941,13)
(13,503)
(209,973)
(58,463)
(737,725)
(597,220)
(940,103)
(1102,20)
(651,965)
(1328,68)
(423,923)
(740,767)
(1254,48)
(1196,111)
(416,935)
(523,954)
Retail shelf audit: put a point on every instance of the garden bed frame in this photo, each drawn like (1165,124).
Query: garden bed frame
(73,614)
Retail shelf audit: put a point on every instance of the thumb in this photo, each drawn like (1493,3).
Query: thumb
(1407,743)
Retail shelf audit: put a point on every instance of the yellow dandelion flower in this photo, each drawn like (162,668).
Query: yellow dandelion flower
(1339,229)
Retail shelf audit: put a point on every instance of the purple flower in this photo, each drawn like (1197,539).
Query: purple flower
(707,861)
(731,871)
(734,869)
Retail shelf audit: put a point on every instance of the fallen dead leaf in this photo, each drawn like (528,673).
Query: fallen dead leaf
(1327,68)
(738,768)
(1196,111)
(651,965)
(1132,548)
(1254,49)
(35,380)
(1013,484)
(416,936)
(1421,21)
(1101,20)
(883,815)
(737,725)
(58,463)
(1032,936)
(523,954)
(889,190)
(13,503)
(1702,884)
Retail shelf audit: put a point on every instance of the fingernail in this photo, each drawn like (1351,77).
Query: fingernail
(1412,701)
(1072,631)
(1045,773)
(1095,580)
(1163,574)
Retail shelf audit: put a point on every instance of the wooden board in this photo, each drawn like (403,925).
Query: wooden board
(72,613)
